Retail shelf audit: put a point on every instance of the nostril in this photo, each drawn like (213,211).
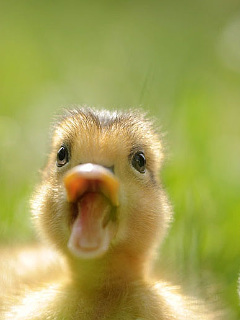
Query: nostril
(110,168)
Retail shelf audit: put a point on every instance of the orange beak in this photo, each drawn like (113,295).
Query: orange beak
(91,178)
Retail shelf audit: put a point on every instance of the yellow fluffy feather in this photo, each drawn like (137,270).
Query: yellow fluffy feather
(93,276)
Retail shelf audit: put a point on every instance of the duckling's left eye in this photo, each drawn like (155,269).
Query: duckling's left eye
(62,156)
(139,162)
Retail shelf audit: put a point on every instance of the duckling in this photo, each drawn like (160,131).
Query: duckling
(101,206)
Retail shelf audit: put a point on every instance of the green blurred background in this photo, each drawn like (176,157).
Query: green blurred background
(178,59)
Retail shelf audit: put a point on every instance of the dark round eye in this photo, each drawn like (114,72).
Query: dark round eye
(62,156)
(139,162)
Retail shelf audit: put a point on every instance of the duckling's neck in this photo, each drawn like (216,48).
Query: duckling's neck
(110,273)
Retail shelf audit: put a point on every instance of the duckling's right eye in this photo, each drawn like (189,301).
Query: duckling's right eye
(62,156)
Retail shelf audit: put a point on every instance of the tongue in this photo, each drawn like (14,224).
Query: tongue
(88,236)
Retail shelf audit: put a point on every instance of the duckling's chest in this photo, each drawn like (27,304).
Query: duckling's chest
(63,305)
(69,305)
(138,304)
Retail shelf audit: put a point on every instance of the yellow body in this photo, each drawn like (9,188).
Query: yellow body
(43,284)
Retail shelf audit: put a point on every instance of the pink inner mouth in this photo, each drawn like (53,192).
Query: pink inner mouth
(92,231)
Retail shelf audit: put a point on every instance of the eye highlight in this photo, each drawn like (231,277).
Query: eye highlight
(139,161)
(62,156)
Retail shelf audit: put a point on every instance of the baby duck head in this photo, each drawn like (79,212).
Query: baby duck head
(100,191)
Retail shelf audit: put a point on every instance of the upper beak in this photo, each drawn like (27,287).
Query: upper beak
(91,178)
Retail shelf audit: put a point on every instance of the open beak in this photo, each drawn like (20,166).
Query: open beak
(93,191)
